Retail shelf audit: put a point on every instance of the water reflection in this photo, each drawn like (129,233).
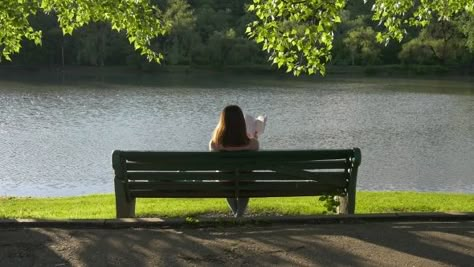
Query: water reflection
(414,135)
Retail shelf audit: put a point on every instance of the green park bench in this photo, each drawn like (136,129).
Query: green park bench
(148,174)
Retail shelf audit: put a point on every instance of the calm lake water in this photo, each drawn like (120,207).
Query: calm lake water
(56,139)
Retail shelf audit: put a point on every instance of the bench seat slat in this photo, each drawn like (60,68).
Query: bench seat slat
(226,194)
(230,164)
(326,177)
(222,190)
(215,186)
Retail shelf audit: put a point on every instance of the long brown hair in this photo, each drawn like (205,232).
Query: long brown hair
(231,129)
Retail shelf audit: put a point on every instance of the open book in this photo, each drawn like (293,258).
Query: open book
(255,125)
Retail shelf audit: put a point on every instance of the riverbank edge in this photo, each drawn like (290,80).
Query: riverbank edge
(213,222)
(87,72)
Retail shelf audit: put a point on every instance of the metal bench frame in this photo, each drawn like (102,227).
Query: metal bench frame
(155,174)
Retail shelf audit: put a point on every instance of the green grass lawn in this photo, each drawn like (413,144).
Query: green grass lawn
(103,206)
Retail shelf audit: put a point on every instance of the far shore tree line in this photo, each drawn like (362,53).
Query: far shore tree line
(216,33)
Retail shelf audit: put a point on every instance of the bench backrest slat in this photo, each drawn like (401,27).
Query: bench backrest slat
(199,164)
(158,156)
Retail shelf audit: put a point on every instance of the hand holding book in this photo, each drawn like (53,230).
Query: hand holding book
(255,126)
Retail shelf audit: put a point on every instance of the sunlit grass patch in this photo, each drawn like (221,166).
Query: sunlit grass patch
(103,206)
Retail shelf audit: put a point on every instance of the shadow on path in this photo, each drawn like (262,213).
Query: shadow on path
(369,244)
(19,247)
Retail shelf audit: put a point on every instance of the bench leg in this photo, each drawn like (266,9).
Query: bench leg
(346,204)
(124,206)
(343,205)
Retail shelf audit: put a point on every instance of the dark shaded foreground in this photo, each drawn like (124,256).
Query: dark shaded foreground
(367,244)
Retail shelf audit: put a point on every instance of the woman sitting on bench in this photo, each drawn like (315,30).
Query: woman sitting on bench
(231,135)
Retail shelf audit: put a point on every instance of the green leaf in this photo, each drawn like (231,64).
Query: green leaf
(320,28)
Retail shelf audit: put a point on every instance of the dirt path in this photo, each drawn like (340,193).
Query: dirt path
(368,244)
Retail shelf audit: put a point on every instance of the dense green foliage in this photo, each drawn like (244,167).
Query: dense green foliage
(299,33)
(103,206)
(138,18)
(302,36)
